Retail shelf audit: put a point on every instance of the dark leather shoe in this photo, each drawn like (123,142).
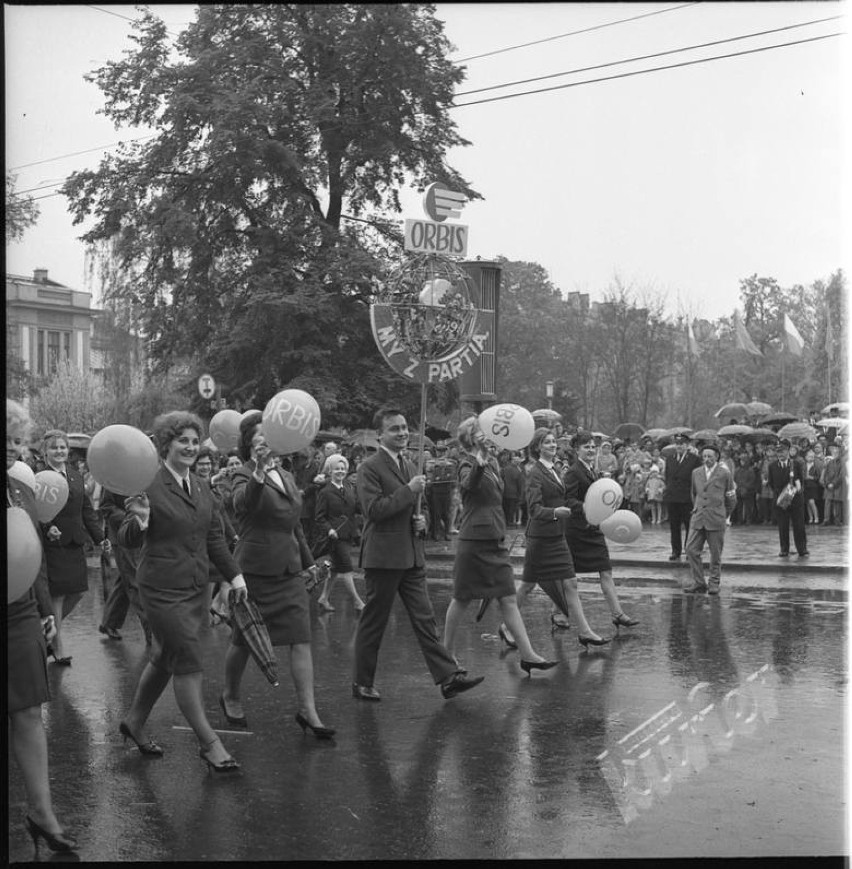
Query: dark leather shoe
(714,589)
(804,554)
(457,683)
(692,589)
(783,554)
(674,557)
(365,692)
(112,633)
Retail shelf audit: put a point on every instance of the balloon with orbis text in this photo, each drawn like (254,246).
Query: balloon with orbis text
(22,472)
(23,552)
(290,421)
(624,526)
(508,426)
(51,492)
(602,499)
(122,459)
(225,430)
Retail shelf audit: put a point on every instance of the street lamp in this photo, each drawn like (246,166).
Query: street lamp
(548,387)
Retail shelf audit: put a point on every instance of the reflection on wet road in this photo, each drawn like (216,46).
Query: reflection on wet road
(714,728)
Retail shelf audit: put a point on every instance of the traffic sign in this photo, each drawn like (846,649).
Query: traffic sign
(206,386)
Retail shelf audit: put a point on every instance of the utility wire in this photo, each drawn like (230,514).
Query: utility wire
(646,56)
(77,153)
(645,71)
(573,33)
(125,17)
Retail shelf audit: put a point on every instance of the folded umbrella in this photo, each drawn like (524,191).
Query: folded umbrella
(246,619)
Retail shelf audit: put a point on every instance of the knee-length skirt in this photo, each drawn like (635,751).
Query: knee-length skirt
(26,658)
(67,571)
(176,617)
(482,569)
(588,550)
(340,555)
(547,558)
(284,606)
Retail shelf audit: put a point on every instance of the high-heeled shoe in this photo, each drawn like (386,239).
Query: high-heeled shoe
(227,765)
(59,843)
(624,621)
(60,662)
(325,606)
(320,732)
(558,622)
(585,642)
(504,636)
(149,748)
(239,720)
(528,666)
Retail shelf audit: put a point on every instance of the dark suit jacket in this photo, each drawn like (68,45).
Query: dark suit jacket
(710,504)
(482,515)
(779,477)
(337,509)
(183,536)
(389,541)
(577,481)
(679,478)
(544,494)
(77,520)
(513,481)
(272,540)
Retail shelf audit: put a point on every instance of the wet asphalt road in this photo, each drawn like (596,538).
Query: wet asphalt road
(715,728)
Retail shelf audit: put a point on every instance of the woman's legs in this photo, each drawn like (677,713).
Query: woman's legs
(190,699)
(513,620)
(349,582)
(610,593)
(57,603)
(523,591)
(813,513)
(455,611)
(236,659)
(151,685)
(572,595)
(29,745)
(302,671)
(323,600)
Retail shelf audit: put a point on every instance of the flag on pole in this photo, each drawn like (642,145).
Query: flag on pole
(743,339)
(795,344)
(694,349)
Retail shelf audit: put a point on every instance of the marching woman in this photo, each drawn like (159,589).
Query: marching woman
(482,566)
(66,535)
(29,621)
(547,559)
(273,553)
(586,542)
(336,527)
(176,525)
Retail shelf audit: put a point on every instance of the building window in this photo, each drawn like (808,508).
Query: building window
(50,348)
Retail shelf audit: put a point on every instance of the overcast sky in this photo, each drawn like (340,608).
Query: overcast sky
(681,181)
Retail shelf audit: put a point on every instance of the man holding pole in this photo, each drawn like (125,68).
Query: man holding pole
(393,558)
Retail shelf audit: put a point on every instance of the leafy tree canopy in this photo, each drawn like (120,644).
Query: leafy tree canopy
(21,211)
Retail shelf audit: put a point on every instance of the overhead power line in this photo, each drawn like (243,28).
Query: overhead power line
(647,56)
(645,71)
(573,33)
(78,153)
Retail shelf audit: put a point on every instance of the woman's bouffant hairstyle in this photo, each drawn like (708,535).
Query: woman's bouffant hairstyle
(208,453)
(17,419)
(248,425)
(467,429)
(169,426)
(54,434)
(334,459)
(535,444)
(581,438)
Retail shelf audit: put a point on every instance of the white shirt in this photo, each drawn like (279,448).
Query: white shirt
(178,477)
(708,471)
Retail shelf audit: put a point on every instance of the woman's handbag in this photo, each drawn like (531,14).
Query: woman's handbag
(786,497)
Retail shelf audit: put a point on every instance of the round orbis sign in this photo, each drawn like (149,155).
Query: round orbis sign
(395,349)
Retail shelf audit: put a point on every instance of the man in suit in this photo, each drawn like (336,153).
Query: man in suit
(677,495)
(392,555)
(783,471)
(713,499)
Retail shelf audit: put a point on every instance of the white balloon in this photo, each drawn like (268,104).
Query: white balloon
(624,526)
(23,473)
(434,291)
(602,499)
(509,426)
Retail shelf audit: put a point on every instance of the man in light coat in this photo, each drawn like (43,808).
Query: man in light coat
(714,497)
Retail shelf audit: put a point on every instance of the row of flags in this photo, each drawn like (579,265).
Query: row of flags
(792,338)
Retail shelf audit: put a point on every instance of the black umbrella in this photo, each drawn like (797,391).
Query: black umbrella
(781,418)
(247,620)
(628,430)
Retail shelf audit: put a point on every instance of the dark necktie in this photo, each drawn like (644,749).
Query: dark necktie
(185,483)
(402,469)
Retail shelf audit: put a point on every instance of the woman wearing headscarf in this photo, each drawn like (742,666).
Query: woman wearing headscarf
(336,528)
(587,543)
(176,525)
(66,536)
(482,567)
(29,621)
(547,559)
(273,553)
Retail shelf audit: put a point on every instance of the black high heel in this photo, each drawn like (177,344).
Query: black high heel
(319,732)
(240,721)
(558,623)
(59,843)
(227,765)
(149,748)
(506,638)
(624,621)
(528,666)
(585,642)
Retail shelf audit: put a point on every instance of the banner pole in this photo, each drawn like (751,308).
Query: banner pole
(422,440)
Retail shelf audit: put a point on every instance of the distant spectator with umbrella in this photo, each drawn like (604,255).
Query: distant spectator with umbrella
(765,497)
(786,473)
(746,480)
(813,487)
(606,462)
(834,485)
(273,553)
(678,498)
